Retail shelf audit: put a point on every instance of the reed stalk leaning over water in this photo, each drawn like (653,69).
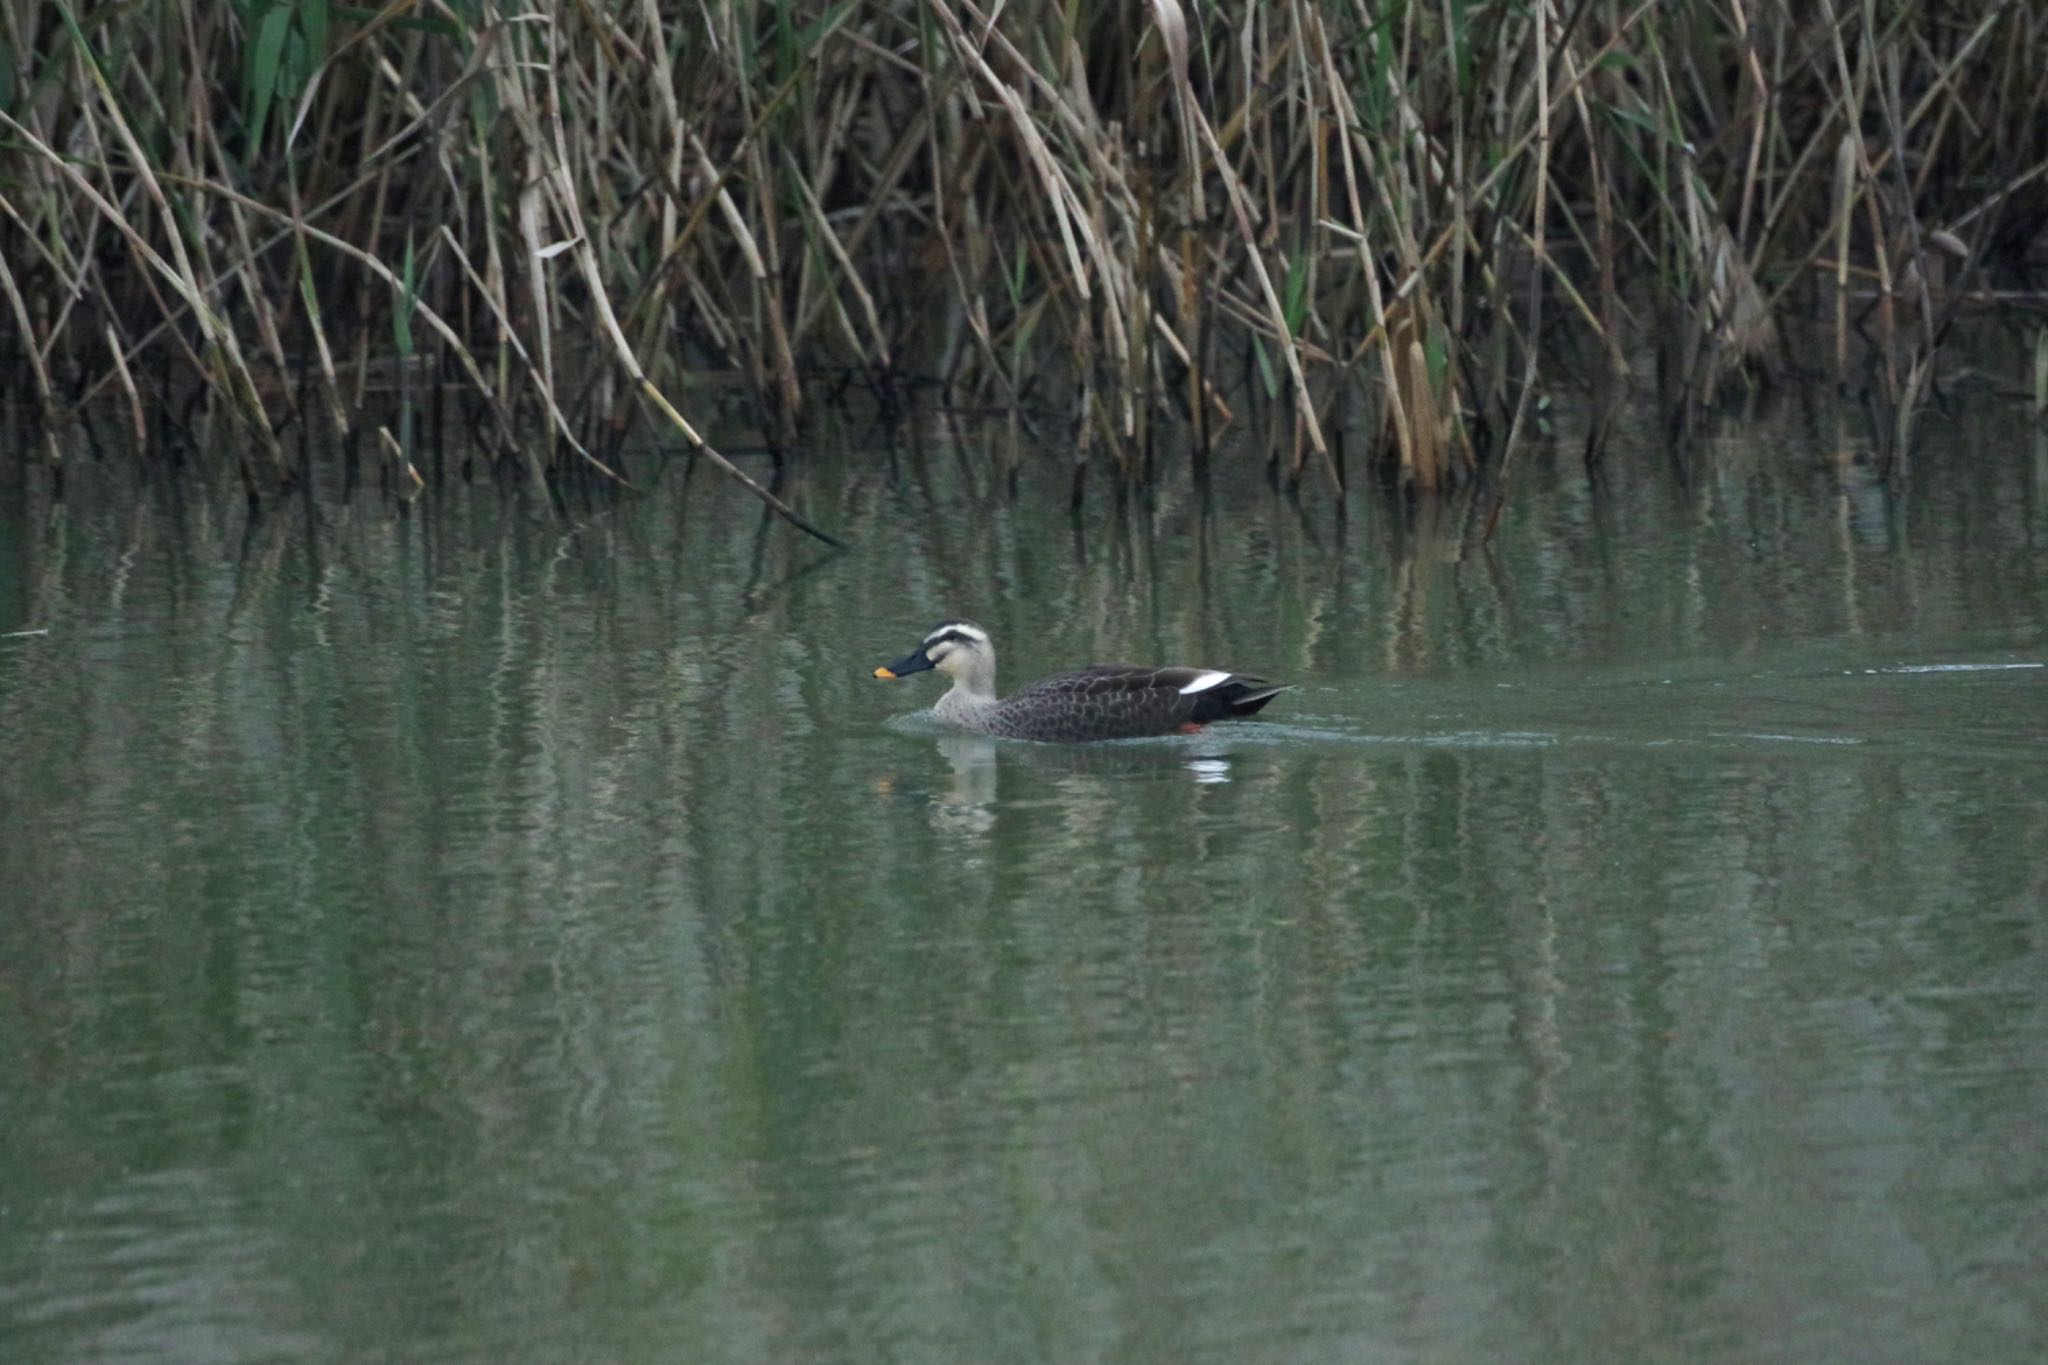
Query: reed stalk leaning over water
(573,217)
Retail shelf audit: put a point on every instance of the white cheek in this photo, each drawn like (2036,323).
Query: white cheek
(1204,682)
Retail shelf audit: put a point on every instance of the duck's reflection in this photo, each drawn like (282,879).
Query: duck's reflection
(976,759)
(969,805)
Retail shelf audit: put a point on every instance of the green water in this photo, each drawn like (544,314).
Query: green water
(458,933)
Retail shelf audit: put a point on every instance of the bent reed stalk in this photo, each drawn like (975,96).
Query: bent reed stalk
(569,217)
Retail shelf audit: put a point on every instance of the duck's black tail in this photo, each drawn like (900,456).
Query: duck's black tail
(1235,699)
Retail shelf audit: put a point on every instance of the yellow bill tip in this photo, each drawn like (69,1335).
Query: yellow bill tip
(883,672)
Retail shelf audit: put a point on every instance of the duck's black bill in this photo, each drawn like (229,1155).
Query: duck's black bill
(914,662)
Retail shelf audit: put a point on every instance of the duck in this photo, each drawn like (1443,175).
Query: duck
(1103,701)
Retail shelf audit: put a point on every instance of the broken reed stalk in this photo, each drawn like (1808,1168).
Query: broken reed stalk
(1539,208)
(1116,206)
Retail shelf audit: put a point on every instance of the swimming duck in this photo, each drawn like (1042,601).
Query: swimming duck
(1105,701)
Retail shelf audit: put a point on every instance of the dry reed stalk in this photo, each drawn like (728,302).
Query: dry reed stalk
(613,334)
(1412,397)
(1605,246)
(373,232)
(748,180)
(46,394)
(1845,196)
(409,481)
(1038,155)
(1407,431)
(309,298)
(778,365)
(1170,21)
(256,298)
(222,344)
(158,267)
(1540,201)
(138,422)
(1760,90)
(522,104)
(1235,196)
(377,268)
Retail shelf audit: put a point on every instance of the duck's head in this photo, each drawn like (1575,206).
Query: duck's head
(959,649)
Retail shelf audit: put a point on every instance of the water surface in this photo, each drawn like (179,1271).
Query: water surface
(467,932)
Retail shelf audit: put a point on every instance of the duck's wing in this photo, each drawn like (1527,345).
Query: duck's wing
(1123,701)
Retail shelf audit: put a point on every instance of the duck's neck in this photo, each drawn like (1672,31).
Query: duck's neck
(972,693)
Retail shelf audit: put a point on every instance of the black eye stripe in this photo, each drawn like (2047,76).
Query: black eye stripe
(951,637)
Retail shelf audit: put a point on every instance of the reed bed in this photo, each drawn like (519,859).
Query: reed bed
(1384,227)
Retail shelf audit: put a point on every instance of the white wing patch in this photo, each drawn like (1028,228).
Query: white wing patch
(1204,681)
